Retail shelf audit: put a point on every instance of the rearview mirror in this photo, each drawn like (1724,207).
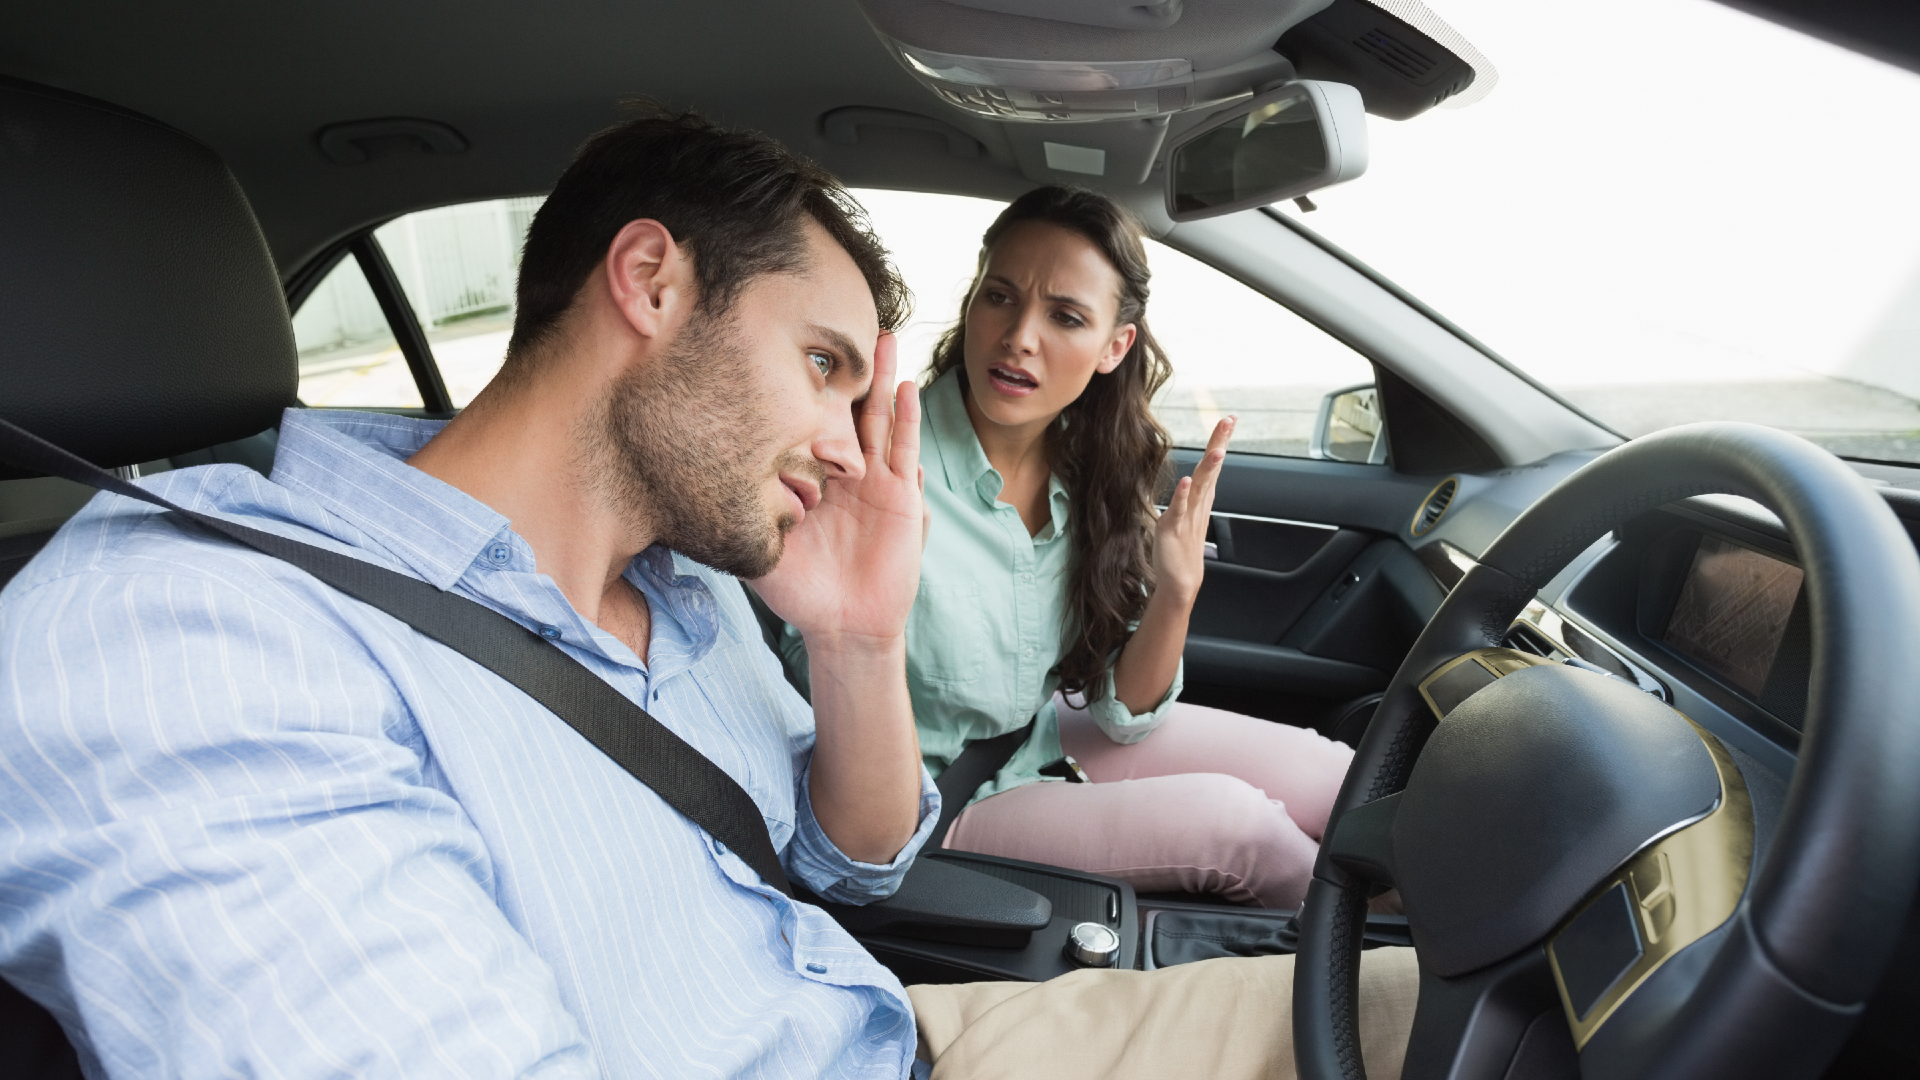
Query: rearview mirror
(1283,143)
(1350,427)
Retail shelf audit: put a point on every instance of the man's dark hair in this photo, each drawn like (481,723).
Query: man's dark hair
(736,200)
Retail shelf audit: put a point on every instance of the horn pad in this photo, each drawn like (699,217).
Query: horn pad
(1527,796)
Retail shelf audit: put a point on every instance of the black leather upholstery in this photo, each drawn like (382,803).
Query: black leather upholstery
(140,314)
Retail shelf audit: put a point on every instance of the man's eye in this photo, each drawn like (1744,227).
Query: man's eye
(822,363)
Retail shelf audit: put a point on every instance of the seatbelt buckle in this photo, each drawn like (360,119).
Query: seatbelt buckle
(1067,769)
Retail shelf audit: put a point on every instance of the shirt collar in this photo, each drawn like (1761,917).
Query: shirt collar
(964,463)
(355,465)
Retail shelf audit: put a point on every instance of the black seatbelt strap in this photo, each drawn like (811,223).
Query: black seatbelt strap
(978,763)
(646,748)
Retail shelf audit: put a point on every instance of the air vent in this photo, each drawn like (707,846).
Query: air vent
(1394,53)
(1436,506)
(1526,639)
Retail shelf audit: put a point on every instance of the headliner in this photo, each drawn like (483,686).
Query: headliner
(524,84)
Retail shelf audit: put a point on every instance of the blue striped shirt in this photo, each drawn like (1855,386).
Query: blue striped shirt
(251,827)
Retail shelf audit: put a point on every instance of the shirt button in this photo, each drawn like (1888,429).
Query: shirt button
(1029,652)
(499,553)
(1024,578)
(551,633)
(817,969)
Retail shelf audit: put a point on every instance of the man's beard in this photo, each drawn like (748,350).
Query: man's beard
(687,441)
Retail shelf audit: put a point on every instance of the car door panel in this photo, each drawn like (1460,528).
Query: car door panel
(1313,597)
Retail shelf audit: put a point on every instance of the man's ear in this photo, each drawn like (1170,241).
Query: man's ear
(1117,348)
(649,276)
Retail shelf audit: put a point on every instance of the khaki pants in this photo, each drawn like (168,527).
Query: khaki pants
(1222,1019)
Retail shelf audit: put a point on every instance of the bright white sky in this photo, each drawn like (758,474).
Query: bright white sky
(1656,190)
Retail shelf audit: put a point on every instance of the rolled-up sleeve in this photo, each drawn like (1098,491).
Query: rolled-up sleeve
(1121,724)
(816,862)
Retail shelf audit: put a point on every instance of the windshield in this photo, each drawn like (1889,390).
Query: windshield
(1667,211)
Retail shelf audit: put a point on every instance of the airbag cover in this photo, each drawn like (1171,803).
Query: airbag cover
(1526,796)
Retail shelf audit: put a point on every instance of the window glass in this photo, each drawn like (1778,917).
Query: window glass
(348,357)
(1237,352)
(1685,243)
(1233,350)
(457,265)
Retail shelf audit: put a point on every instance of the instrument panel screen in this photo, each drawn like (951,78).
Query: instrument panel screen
(1733,611)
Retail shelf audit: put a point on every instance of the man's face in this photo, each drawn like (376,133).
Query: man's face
(731,435)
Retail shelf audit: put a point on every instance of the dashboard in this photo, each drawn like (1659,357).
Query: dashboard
(1701,602)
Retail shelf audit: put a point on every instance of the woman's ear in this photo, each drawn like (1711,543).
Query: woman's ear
(1117,348)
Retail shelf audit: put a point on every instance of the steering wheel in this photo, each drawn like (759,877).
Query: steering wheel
(1576,858)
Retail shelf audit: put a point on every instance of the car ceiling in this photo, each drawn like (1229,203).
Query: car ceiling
(523,83)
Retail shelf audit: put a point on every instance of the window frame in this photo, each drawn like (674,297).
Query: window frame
(364,248)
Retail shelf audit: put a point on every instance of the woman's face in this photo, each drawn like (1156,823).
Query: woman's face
(1040,324)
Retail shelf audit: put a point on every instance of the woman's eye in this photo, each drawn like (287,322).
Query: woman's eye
(1068,319)
(822,363)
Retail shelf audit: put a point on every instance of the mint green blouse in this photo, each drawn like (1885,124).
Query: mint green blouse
(989,622)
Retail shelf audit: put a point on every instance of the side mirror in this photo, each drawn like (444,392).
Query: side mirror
(1350,427)
(1283,143)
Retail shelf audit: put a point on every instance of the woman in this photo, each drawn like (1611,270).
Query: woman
(1050,593)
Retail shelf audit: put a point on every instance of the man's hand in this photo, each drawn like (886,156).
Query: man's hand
(847,580)
(851,567)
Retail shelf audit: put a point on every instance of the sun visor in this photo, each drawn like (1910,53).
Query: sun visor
(1398,54)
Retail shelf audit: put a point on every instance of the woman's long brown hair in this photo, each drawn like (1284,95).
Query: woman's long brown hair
(1106,447)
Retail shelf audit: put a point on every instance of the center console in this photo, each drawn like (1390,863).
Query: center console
(963,917)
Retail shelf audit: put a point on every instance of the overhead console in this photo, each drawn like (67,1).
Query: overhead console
(1110,89)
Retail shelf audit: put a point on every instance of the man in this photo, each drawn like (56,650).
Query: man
(251,826)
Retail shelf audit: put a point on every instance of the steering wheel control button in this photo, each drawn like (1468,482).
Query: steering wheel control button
(1091,945)
(1596,948)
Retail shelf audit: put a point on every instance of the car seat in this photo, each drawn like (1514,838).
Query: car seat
(141,318)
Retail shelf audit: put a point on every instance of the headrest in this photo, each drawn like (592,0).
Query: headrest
(140,315)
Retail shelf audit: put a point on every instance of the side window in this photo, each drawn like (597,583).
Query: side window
(457,266)
(348,355)
(1234,351)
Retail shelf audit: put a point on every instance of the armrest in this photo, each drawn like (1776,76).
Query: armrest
(944,901)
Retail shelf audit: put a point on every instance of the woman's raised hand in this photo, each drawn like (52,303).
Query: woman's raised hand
(1180,537)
